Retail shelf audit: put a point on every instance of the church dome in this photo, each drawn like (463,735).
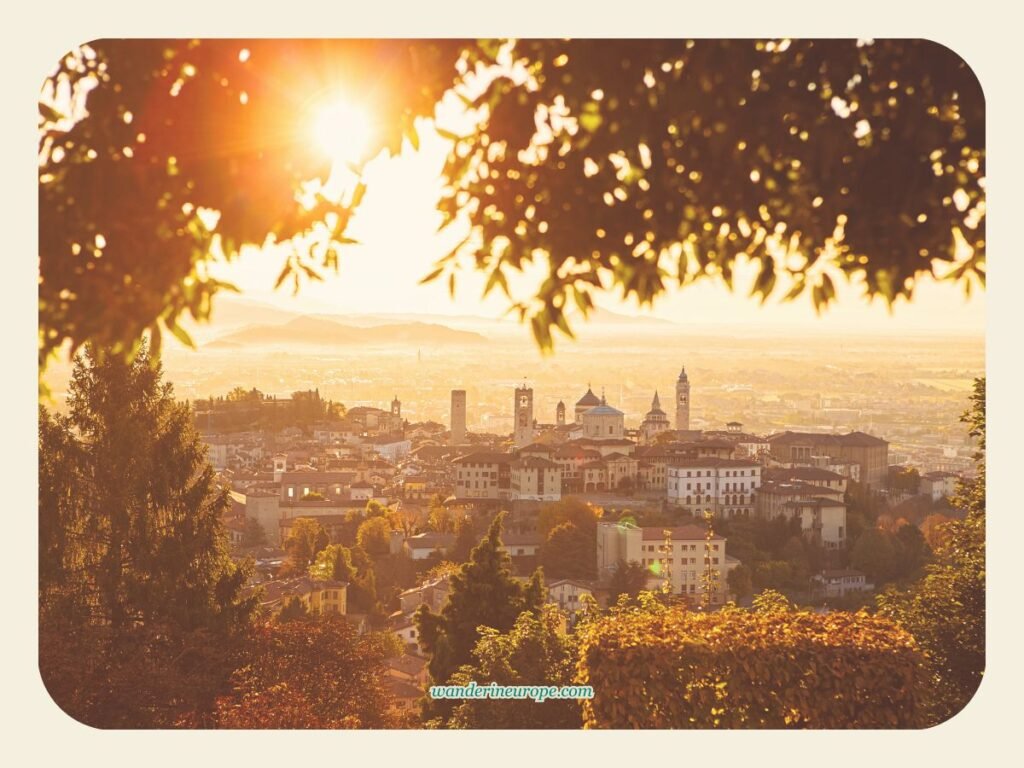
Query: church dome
(589,399)
(603,409)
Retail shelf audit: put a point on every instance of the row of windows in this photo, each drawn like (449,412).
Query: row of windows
(682,547)
(738,498)
(672,560)
(727,487)
(711,473)
(476,484)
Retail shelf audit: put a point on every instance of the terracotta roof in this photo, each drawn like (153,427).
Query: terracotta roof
(795,488)
(485,457)
(402,689)
(430,540)
(618,457)
(711,462)
(328,478)
(575,582)
(817,501)
(801,473)
(858,439)
(536,448)
(534,462)
(407,664)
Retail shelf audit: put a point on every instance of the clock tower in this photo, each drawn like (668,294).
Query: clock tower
(683,401)
(523,431)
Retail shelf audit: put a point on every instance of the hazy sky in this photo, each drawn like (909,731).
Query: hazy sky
(397,229)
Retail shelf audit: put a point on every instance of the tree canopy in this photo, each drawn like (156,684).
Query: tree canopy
(483,594)
(640,172)
(536,648)
(945,610)
(654,666)
(139,600)
(318,674)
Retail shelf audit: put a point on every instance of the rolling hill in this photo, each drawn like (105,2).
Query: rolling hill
(320,331)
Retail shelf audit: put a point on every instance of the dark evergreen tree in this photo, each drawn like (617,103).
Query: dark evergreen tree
(483,594)
(568,552)
(140,602)
(536,648)
(627,579)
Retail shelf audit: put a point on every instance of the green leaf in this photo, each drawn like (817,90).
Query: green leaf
(497,278)
(357,195)
(287,270)
(179,333)
(311,273)
(50,114)
(445,134)
(432,276)
(413,135)
(155,341)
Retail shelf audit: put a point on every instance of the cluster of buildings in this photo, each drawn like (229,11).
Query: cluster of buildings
(371,454)
(333,469)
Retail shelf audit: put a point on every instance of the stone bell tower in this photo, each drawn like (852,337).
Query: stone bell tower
(523,431)
(683,401)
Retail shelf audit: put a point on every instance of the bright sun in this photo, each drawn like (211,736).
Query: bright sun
(343,131)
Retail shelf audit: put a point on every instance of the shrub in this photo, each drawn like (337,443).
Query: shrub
(672,668)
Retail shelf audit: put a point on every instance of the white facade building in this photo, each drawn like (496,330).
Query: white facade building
(691,565)
(937,485)
(483,475)
(535,479)
(823,520)
(728,487)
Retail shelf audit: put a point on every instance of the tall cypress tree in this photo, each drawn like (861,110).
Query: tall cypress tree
(483,593)
(140,602)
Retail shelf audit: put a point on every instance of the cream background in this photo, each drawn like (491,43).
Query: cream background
(985,33)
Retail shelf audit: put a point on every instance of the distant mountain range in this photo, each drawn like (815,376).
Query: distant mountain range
(323,331)
(239,322)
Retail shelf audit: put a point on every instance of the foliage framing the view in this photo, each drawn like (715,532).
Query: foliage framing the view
(945,610)
(674,668)
(140,604)
(633,166)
